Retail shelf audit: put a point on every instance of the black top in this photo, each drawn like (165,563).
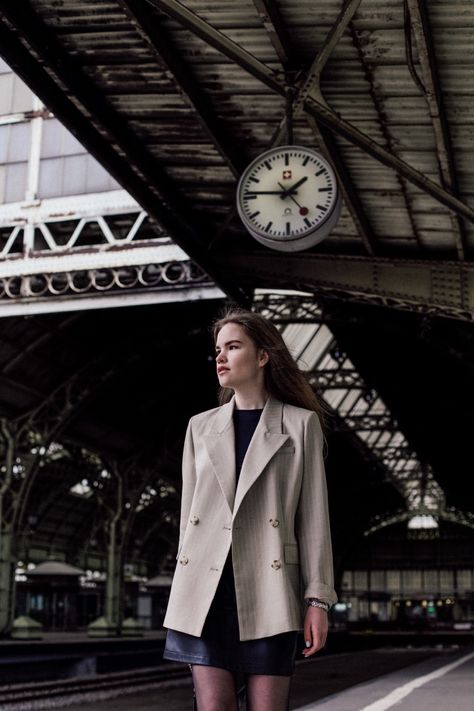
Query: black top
(245,422)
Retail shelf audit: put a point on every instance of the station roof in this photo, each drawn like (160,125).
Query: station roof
(175,99)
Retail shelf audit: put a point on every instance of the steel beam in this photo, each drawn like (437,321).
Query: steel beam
(385,131)
(440,287)
(269,12)
(312,83)
(144,21)
(420,24)
(67,69)
(279,36)
(315,105)
(348,190)
(101,129)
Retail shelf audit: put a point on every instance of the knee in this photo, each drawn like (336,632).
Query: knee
(218,705)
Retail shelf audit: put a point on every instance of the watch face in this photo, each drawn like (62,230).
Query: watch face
(286,194)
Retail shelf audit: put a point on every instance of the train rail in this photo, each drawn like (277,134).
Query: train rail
(49,694)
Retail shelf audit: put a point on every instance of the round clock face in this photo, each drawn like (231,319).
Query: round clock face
(288,198)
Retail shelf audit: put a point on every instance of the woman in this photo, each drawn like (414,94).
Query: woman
(254,535)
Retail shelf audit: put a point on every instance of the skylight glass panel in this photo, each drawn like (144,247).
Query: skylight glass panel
(297,336)
(423,521)
(328,363)
(351,398)
(361,407)
(317,348)
(334,397)
(81,489)
(378,407)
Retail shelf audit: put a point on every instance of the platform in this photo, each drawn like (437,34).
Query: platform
(432,685)
(351,681)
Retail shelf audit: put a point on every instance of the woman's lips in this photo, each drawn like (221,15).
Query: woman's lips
(222,370)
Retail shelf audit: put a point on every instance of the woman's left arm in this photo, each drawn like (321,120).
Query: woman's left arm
(314,536)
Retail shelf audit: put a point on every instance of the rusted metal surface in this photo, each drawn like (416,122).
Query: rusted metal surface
(198,109)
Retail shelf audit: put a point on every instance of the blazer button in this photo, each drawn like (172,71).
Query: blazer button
(194,520)
(275,522)
(183,560)
(276,565)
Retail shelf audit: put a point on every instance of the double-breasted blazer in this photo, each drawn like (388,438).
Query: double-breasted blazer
(275,519)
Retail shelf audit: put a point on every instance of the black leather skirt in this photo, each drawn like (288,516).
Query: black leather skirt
(220,646)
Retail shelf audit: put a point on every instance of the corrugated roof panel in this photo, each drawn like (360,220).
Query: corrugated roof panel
(366,80)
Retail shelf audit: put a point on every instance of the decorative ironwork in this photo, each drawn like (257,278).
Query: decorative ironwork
(99,281)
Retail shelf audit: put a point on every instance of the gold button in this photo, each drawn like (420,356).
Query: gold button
(276,565)
(194,520)
(275,522)
(183,560)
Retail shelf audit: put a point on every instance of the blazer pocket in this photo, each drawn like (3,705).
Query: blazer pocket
(291,554)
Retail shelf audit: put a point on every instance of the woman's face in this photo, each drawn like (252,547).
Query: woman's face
(239,363)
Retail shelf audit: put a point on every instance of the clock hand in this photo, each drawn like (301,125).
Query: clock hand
(293,187)
(270,192)
(303,210)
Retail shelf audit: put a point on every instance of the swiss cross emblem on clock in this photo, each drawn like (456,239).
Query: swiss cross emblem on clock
(287,175)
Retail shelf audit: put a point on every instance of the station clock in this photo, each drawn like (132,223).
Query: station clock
(288,198)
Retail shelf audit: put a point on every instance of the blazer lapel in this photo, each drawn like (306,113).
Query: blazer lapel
(220,445)
(267,439)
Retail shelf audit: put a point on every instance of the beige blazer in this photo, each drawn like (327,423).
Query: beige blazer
(276,520)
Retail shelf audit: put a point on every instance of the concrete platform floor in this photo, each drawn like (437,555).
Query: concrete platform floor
(432,685)
(350,681)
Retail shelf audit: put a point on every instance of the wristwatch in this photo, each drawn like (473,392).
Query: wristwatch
(315,602)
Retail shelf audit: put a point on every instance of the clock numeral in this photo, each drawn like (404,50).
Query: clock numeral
(267,228)
(249,197)
(307,222)
(321,207)
(254,214)
(306,160)
(320,172)
(325,190)
(287,159)
(254,180)
(267,165)
(288,228)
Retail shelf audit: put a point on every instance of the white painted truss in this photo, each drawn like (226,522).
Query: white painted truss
(64,246)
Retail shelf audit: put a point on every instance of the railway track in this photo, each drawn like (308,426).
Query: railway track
(54,694)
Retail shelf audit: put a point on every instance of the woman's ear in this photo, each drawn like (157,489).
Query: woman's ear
(263,357)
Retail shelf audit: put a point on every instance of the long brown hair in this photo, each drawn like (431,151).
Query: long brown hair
(282,377)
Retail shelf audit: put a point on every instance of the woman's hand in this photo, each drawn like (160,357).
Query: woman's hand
(315,630)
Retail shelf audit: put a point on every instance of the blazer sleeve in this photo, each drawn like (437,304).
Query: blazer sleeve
(189,482)
(312,519)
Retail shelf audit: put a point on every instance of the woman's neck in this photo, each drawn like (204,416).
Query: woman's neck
(254,400)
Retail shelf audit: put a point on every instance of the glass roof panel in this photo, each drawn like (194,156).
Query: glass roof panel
(315,346)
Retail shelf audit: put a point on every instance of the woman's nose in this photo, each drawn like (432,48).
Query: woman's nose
(220,357)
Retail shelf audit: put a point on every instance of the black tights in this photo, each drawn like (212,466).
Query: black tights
(216,690)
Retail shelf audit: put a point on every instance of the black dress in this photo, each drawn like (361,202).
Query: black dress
(219,644)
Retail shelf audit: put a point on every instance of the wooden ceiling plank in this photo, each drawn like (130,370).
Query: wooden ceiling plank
(316,106)
(144,20)
(420,25)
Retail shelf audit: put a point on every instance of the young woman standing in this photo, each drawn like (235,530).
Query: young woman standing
(254,555)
